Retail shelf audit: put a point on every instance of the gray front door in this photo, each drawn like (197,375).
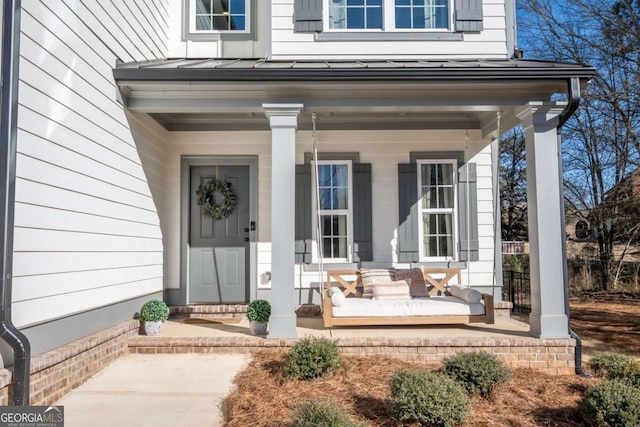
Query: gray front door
(219,248)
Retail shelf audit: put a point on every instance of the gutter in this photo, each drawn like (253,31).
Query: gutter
(8,143)
(570,109)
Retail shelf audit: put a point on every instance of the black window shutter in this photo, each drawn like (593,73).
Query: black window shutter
(468,213)
(468,16)
(307,16)
(304,217)
(408,238)
(362,216)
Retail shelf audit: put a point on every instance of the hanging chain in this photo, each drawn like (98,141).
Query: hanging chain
(496,205)
(314,139)
(468,200)
(466,134)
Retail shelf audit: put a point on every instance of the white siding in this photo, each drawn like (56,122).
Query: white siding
(87,232)
(490,43)
(152,144)
(384,150)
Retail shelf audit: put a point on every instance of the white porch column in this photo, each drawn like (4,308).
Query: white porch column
(548,317)
(283,119)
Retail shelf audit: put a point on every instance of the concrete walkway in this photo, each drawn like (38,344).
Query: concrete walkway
(155,390)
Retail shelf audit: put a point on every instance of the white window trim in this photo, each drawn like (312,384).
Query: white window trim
(348,212)
(192,21)
(388,21)
(454,164)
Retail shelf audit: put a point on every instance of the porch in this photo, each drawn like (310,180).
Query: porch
(380,120)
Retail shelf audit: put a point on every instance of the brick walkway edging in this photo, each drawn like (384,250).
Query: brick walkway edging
(57,372)
(552,356)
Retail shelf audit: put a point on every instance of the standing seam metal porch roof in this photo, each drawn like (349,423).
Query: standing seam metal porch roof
(264,70)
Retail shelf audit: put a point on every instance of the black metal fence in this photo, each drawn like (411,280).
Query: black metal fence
(517,289)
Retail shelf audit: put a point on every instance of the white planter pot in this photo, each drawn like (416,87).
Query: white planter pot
(258,328)
(152,328)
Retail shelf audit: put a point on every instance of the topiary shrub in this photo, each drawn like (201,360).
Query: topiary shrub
(154,311)
(478,372)
(312,358)
(320,413)
(611,403)
(614,366)
(259,310)
(430,398)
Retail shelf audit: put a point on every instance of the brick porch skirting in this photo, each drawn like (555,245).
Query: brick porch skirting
(57,372)
(552,356)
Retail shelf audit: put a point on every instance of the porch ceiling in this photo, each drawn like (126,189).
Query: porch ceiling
(206,94)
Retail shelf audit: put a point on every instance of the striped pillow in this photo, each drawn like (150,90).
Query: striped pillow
(417,286)
(375,275)
(397,290)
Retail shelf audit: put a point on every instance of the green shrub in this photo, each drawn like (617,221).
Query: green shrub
(259,310)
(611,403)
(312,358)
(602,363)
(320,413)
(478,372)
(154,311)
(614,366)
(430,398)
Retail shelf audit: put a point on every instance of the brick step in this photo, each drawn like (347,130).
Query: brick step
(231,311)
(208,311)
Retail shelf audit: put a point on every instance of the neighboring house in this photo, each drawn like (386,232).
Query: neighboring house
(578,226)
(126,107)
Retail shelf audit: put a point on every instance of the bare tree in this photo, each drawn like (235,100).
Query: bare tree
(601,147)
(513,188)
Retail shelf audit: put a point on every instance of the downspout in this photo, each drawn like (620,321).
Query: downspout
(572,106)
(8,142)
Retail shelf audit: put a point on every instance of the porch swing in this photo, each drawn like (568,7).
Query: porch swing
(447,304)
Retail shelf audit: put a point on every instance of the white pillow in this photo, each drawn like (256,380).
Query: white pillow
(338,299)
(333,290)
(396,290)
(472,296)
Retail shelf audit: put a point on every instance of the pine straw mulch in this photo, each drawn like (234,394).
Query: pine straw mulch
(607,321)
(263,398)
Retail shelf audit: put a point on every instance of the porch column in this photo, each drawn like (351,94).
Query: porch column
(283,119)
(548,317)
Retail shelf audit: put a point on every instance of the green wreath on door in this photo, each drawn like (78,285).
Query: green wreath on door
(209,206)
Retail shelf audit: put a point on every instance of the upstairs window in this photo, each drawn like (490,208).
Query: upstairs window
(384,20)
(422,14)
(388,15)
(355,14)
(221,15)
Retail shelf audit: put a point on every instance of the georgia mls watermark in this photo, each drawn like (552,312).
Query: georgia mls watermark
(31,416)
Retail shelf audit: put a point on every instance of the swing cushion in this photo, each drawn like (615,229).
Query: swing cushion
(417,284)
(396,290)
(338,299)
(472,296)
(371,276)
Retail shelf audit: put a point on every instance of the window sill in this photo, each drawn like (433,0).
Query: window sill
(440,264)
(219,36)
(331,266)
(387,36)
